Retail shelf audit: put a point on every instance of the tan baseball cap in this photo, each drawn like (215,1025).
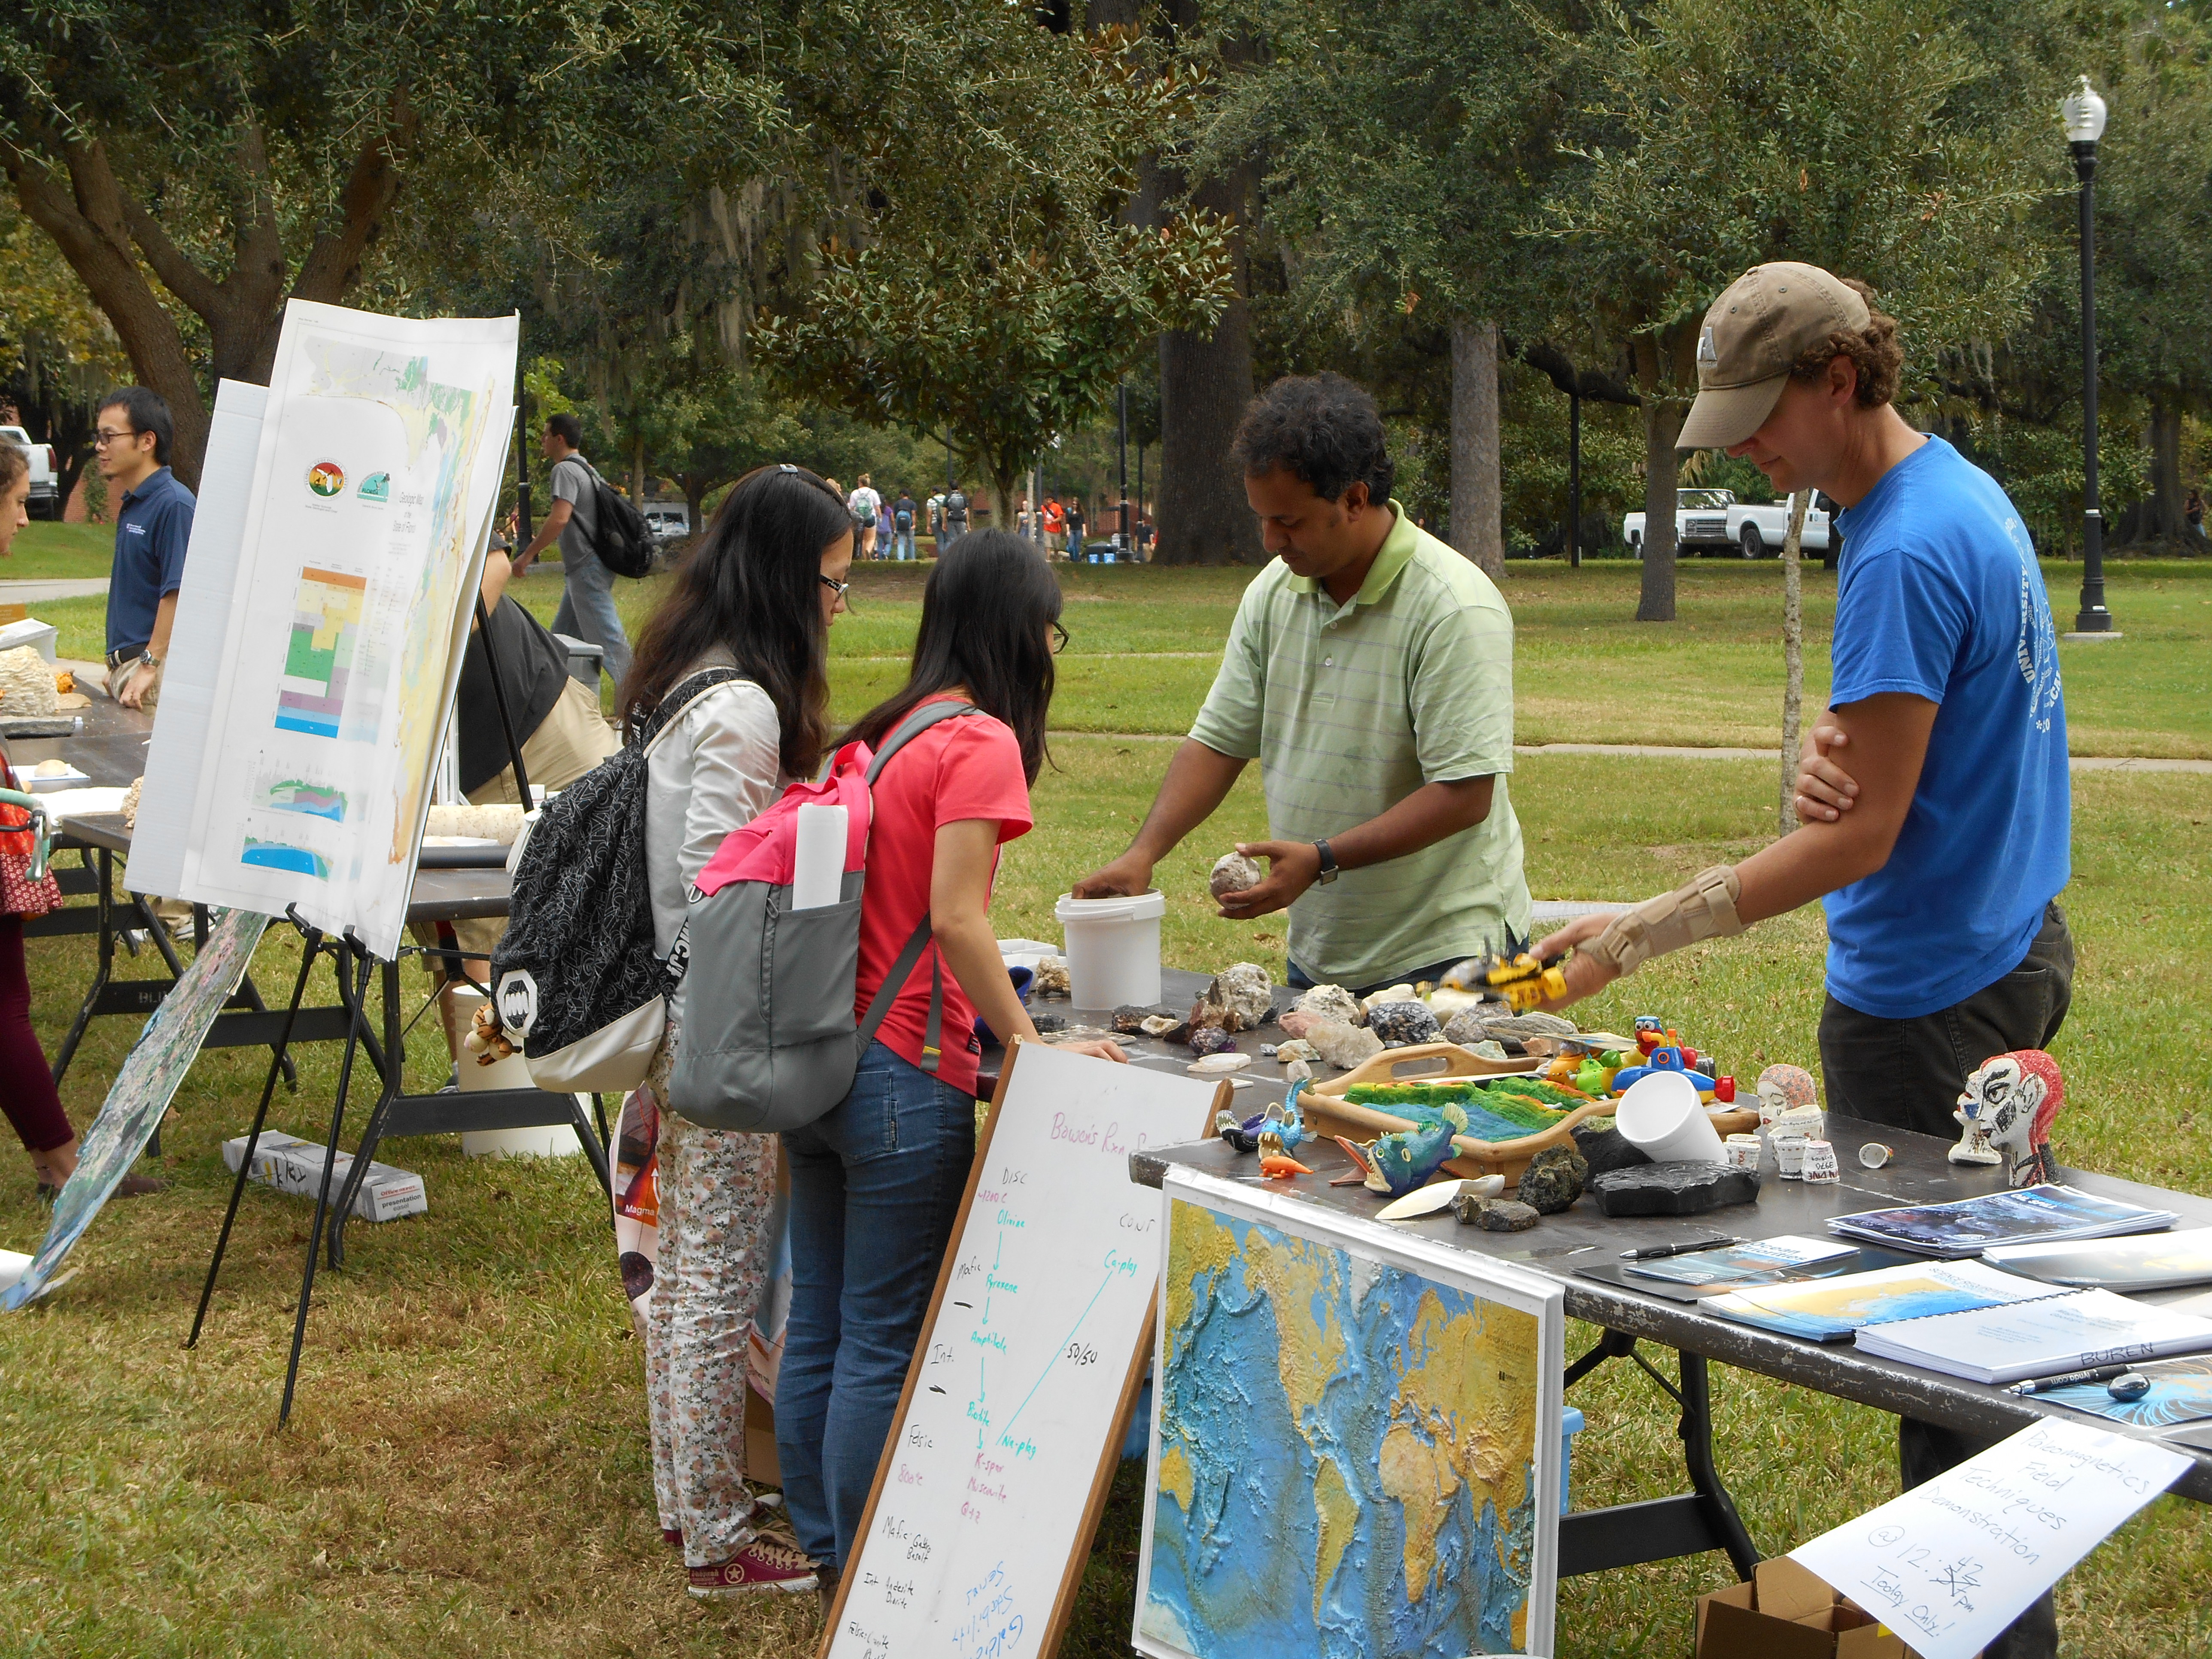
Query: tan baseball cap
(1770,317)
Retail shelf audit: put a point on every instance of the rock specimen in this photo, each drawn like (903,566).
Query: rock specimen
(1129,1018)
(1295,1048)
(1239,1000)
(1400,1024)
(1605,1149)
(1330,1002)
(1499,1023)
(1295,1025)
(1673,1188)
(1401,992)
(131,803)
(1296,1071)
(1343,1045)
(1051,979)
(1489,1048)
(1166,1027)
(26,683)
(1553,1180)
(1210,1040)
(1494,1215)
(1467,1028)
(1049,1023)
(1215,1065)
(1233,872)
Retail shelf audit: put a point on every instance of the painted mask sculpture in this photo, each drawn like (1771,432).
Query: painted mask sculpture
(1781,1087)
(2005,1115)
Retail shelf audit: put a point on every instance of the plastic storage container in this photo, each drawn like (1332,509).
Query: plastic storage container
(1113,949)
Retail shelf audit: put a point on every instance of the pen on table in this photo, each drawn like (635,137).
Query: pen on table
(2043,1384)
(1658,1250)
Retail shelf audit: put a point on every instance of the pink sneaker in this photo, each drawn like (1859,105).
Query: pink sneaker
(763,1565)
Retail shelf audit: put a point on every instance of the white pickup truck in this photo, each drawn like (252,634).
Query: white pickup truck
(1714,519)
(44,501)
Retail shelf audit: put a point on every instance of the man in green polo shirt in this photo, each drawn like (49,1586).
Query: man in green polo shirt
(1370,671)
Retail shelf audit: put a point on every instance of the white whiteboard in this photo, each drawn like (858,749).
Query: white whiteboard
(1042,1312)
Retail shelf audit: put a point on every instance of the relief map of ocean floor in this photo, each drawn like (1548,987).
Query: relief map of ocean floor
(1346,1454)
(377,467)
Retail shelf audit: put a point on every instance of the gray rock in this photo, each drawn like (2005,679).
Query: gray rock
(1241,999)
(1494,1215)
(1296,1071)
(1049,1023)
(1607,1149)
(1466,1028)
(1129,1018)
(1330,1002)
(1233,872)
(1400,1024)
(1166,1027)
(1210,1040)
(1554,1179)
(1673,1189)
(1343,1045)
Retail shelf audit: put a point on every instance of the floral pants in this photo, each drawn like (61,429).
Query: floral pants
(717,1188)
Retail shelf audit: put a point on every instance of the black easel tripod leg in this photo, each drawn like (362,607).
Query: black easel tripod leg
(1697,1431)
(347,951)
(311,946)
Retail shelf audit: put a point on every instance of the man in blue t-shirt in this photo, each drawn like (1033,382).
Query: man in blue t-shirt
(1940,852)
(131,434)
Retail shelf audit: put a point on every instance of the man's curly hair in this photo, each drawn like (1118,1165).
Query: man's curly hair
(1874,349)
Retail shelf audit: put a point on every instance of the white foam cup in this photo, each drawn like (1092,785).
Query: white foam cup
(1662,1117)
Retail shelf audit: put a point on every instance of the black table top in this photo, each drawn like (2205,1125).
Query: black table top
(1919,1172)
(111,750)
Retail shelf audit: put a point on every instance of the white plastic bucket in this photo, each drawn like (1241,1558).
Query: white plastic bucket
(1662,1117)
(1113,949)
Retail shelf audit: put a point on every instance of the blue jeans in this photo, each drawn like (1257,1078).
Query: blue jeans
(587,613)
(902,542)
(875,1187)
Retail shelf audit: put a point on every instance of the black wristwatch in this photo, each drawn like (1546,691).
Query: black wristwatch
(1328,869)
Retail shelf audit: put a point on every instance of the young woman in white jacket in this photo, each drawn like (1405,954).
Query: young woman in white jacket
(757,596)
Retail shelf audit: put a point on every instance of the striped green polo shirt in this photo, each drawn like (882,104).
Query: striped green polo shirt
(1349,710)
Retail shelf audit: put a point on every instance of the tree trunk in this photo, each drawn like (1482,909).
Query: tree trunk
(1478,502)
(637,472)
(2164,518)
(1793,657)
(1662,424)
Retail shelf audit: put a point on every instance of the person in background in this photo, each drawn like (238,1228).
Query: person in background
(956,516)
(562,734)
(1055,526)
(936,504)
(885,531)
(876,1182)
(1370,671)
(865,504)
(903,513)
(1073,517)
(759,596)
(2193,512)
(27,1094)
(587,594)
(131,435)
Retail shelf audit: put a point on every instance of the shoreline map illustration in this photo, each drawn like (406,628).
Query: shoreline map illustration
(1346,1452)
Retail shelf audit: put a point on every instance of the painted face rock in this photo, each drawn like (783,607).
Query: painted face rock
(2009,1105)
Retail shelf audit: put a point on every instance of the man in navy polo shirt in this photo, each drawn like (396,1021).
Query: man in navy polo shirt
(152,523)
(1941,852)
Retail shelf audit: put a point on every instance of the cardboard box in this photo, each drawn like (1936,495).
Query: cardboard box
(296,1166)
(761,1466)
(1787,1613)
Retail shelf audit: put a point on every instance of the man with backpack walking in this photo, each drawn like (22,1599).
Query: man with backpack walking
(956,518)
(587,598)
(903,512)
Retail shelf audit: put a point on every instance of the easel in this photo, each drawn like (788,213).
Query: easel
(395,1112)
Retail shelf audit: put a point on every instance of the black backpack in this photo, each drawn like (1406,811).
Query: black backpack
(576,980)
(621,539)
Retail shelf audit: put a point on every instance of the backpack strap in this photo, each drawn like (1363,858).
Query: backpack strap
(895,981)
(681,697)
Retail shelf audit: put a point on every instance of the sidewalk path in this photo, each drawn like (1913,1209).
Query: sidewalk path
(30,591)
(1658,751)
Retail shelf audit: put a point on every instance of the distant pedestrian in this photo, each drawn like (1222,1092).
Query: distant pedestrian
(2194,511)
(884,531)
(864,505)
(1075,527)
(956,516)
(587,586)
(131,434)
(903,512)
(1056,526)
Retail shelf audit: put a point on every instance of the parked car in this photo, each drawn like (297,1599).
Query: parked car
(44,501)
(1707,519)
(669,521)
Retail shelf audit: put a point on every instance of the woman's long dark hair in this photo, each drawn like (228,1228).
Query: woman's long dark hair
(986,617)
(752,584)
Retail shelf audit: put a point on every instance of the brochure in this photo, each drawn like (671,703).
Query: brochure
(1968,1226)
(1832,1310)
(2180,1392)
(2069,1332)
(2161,1261)
(1759,1262)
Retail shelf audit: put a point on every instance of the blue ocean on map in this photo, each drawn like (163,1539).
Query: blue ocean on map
(1346,1451)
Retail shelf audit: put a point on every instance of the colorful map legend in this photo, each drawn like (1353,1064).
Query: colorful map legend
(325,634)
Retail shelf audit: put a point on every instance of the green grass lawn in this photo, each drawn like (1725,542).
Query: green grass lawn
(467,1470)
(44,548)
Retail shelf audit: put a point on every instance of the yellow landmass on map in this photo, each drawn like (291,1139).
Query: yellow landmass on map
(1338,1512)
(1202,1248)
(1295,1275)
(1176,1477)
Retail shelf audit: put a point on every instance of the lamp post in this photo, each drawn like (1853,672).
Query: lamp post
(2082,113)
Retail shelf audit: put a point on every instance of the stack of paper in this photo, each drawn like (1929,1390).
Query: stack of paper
(2165,1262)
(2045,1337)
(1831,1309)
(1968,1226)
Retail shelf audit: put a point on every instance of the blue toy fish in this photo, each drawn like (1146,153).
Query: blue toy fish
(1404,1160)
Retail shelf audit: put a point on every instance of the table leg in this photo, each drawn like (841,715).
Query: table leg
(105,949)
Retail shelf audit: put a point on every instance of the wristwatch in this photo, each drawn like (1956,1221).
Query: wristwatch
(1328,869)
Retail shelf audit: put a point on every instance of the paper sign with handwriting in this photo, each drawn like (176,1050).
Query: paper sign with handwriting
(1951,1562)
(979,1514)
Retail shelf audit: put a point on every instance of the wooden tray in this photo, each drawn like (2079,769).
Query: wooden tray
(1328,1112)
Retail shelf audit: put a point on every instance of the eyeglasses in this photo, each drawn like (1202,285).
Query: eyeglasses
(1059,639)
(102,437)
(841,589)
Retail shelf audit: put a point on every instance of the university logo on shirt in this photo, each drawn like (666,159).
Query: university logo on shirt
(2036,648)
